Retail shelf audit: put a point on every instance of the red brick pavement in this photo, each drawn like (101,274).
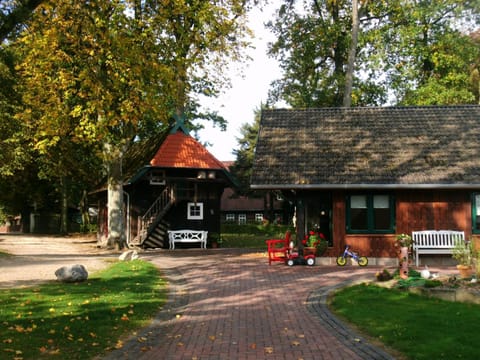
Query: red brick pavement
(227,305)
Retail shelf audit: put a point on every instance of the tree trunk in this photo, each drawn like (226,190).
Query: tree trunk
(347,95)
(64,206)
(116,224)
(84,211)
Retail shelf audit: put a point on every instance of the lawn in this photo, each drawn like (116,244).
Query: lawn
(417,326)
(81,320)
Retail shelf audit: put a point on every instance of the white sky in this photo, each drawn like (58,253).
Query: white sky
(237,105)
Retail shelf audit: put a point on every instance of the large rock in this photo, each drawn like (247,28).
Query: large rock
(73,273)
(128,255)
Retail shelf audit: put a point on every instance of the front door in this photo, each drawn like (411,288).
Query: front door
(318,215)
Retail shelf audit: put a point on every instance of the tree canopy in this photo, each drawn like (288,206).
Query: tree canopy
(406,50)
(14,13)
(94,76)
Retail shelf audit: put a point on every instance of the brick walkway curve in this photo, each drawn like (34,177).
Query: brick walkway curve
(229,305)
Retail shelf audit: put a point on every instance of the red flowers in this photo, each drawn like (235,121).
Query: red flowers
(313,239)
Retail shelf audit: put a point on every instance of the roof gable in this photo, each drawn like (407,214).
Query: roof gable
(366,147)
(183,151)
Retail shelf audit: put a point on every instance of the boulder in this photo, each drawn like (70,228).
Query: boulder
(128,255)
(73,273)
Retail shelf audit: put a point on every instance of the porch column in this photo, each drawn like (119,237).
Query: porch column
(300,204)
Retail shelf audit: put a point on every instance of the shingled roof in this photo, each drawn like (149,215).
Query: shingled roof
(180,150)
(396,147)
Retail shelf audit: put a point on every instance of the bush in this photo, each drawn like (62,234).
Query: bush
(255,229)
(251,235)
(432,283)
(383,275)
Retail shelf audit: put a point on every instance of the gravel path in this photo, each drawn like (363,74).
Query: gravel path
(33,259)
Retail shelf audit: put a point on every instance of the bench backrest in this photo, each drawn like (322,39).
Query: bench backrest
(188,235)
(436,239)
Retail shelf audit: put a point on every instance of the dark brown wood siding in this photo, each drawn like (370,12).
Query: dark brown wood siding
(414,210)
(433,210)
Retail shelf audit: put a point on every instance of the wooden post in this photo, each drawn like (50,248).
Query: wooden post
(300,224)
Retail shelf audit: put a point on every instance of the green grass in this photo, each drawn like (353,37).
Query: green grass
(81,320)
(417,326)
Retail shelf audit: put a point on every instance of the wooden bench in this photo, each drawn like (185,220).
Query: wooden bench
(187,236)
(435,242)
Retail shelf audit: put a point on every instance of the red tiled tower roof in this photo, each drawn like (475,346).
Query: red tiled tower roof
(183,151)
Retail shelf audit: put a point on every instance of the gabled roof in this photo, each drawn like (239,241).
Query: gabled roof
(183,151)
(234,203)
(397,147)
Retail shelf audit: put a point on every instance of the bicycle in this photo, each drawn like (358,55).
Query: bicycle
(342,259)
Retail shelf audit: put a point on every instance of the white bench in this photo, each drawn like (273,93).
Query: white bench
(435,242)
(187,236)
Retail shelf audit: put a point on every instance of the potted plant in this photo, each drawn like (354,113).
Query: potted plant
(215,241)
(314,243)
(404,240)
(463,253)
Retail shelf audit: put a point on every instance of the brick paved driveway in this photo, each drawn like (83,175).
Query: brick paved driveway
(229,305)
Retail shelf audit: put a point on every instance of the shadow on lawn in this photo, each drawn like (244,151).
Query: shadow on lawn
(80,320)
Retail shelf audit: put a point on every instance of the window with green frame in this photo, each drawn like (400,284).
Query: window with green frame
(476,213)
(370,213)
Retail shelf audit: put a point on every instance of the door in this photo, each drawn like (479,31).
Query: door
(318,216)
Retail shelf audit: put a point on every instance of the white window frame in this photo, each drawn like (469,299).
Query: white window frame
(258,217)
(157,177)
(230,217)
(242,218)
(192,211)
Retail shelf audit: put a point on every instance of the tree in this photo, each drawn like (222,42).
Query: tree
(429,52)
(399,44)
(106,72)
(14,13)
(242,167)
(90,76)
(352,52)
(313,46)
(198,40)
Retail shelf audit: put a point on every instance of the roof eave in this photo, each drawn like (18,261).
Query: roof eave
(361,186)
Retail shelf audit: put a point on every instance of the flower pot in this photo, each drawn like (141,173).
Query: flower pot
(403,260)
(465,271)
(309,251)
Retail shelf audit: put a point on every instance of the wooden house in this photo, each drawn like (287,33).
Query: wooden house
(241,209)
(363,175)
(172,183)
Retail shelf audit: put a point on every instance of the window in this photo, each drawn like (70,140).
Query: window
(370,213)
(242,218)
(157,177)
(258,217)
(230,217)
(195,211)
(476,213)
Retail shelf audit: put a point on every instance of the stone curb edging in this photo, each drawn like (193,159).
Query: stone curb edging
(177,301)
(317,305)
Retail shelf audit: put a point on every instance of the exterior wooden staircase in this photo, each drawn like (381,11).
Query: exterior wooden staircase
(151,229)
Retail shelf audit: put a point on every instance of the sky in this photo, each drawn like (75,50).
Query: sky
(237,105)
